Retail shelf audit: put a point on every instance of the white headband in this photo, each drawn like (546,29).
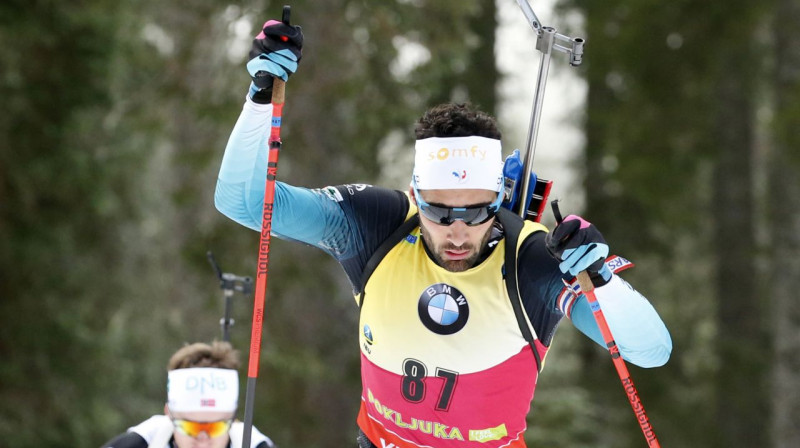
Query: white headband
(455,163)
(202,389)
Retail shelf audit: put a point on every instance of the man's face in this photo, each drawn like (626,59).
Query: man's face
(202,439)
(456,247)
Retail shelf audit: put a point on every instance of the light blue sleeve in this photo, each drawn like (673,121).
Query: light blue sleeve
(639,332)
(299,213)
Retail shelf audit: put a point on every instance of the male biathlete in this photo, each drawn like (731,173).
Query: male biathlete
(460,305)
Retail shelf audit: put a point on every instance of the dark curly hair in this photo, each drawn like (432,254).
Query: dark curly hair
(456,120)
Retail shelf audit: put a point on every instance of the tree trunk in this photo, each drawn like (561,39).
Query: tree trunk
(784,205)
(740,405)
(482,76)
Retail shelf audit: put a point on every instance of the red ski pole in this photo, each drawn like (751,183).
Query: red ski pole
(587,289)
(278,94)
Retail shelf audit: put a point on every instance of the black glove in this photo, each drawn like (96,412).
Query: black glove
(579,246)
(275,53)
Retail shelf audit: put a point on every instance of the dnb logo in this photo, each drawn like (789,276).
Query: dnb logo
(443,309)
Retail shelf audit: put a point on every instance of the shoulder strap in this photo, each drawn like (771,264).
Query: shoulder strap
(512,227)
(398,235)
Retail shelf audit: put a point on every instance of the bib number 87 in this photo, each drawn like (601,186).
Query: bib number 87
(413,386)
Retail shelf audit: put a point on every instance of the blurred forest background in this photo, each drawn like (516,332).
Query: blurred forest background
(114,116)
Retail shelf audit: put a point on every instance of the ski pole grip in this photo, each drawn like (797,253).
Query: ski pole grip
(585,282)
(279,85)
(278,91)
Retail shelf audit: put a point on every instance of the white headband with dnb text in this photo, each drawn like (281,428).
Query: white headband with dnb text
(202,389)
(455,163)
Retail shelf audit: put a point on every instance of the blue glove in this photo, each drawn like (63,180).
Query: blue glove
(512,172)
(274,54)
(579,246)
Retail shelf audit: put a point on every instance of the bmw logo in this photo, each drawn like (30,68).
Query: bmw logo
(368,334)
(443,309)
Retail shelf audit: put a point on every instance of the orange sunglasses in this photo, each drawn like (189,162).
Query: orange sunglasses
(193,429)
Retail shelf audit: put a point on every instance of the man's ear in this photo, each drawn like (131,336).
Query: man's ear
(411,195)
(166,409)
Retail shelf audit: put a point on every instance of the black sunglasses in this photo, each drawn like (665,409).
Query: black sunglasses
(445,216)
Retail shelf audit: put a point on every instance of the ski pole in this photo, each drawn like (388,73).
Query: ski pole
(278,94)
(587,288)
(547,40)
